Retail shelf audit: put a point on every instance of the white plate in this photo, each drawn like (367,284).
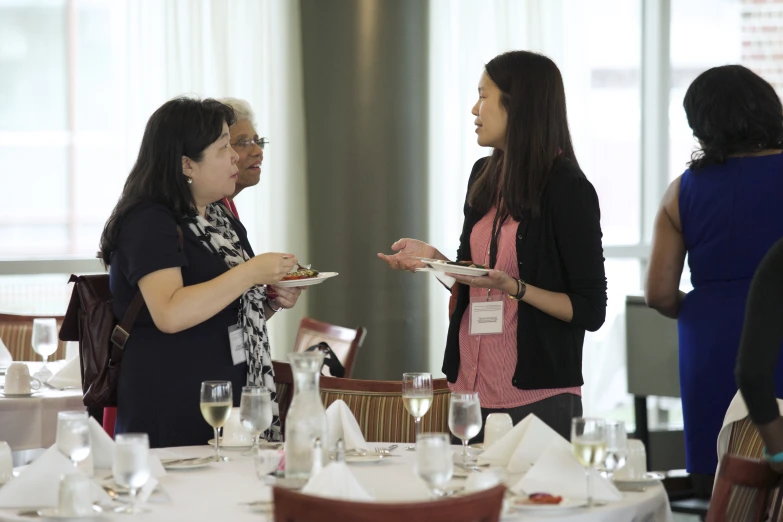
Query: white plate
(477,446)
(52,513)
(18,395)
(372,458)
(443,266)
(566,504)
(231,445)
(317,280)
(187,463)
(651,477)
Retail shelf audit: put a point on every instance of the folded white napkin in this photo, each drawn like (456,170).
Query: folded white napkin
(440,276)
(39,484)
(102,451)
(69,376)
(558,472)
(521,447)
(343,425)
(5,355)
(336,481)
(233,432)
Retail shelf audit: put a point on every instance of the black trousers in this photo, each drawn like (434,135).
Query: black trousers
(556,412)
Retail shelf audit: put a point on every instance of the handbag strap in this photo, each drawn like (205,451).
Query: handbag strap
(121,332)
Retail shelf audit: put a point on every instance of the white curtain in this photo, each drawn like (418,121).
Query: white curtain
(464,35)
(248,49)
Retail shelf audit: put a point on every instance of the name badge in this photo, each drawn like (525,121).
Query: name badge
(486,316)
(236,338)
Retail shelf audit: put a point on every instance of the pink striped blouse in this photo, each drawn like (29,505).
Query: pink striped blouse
(487,362)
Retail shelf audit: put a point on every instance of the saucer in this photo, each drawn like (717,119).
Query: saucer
(231,445)
(18,395)
(651,477)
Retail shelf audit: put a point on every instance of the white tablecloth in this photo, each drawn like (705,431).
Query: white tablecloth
(216,491)
(31,423)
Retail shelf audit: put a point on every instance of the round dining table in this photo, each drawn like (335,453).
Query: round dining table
(226,491)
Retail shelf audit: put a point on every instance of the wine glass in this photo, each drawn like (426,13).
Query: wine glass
(255,413)
(417,398)
(465,419)
(588,437)
(44,343)
(434,462)
(131,468)
(616,446)
(73,435)
(216,403)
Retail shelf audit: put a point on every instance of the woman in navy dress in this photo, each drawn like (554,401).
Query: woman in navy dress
(724,212)
(194,295)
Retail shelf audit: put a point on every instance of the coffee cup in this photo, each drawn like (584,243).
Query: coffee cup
(233,432)
(75,496)
(18,380)
(495,427)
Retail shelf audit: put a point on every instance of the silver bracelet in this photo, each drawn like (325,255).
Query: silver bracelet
(273,308)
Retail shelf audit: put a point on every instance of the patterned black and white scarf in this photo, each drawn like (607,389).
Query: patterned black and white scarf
(219,237)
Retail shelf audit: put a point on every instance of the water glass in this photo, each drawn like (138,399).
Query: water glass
(255,413)
(434,462)
(588,437)
(6,463)
(74,497)
(616,446)
(495,428)
(73,435)
(131,467)
(216,403)
(417,398)
(465,419)
(44,341)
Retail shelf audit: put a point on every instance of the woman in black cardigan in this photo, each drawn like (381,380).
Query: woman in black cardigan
(532,217)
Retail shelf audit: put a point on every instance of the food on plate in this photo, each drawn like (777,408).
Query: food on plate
(300,273)
(543,498)
(468,263)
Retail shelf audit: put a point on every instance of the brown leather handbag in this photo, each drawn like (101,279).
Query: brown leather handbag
(90,320)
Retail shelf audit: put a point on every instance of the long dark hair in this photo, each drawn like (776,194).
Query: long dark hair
(537,134)
(732,110)
(180,127)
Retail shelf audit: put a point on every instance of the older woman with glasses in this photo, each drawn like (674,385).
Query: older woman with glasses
(246,143)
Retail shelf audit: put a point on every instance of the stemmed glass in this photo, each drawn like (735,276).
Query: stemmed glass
(73,435)
(44,343)
(216,403)
(465,419)
(255,413)
(616,446)
(434,463)
(417,398)
(588,437)
(131,468)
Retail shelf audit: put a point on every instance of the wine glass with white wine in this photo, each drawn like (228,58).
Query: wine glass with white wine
(417,398)
(588,438)
(216,403)
(255,413)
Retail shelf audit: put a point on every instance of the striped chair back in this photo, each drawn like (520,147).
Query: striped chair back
(378,407)
(745,502)
(16,331)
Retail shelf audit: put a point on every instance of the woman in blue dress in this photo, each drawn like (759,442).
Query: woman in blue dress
(724,212)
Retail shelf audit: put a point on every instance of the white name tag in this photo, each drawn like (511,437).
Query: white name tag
(236,338)
(486,317)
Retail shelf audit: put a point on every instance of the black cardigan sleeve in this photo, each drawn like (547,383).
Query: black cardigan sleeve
(762,335)
(577,222)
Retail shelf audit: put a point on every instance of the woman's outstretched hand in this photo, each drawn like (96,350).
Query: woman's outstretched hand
(407,251)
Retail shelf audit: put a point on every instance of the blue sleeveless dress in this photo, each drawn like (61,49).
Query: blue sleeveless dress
(731,215)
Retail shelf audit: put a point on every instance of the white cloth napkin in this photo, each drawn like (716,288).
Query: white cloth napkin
(5,355)
(343,425)
(69,376)
(558,472)
(102,451)
(336,481)
(521,447)
(440,276)
(39,484)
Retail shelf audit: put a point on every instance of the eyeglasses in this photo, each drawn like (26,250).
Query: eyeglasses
(246,143)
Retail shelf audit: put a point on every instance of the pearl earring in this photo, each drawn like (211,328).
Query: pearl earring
(190,181)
